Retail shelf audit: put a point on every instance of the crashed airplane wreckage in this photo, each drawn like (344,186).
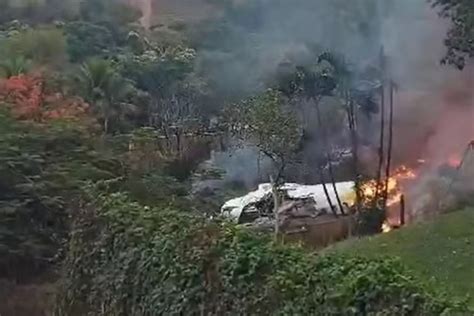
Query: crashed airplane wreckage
(302,205)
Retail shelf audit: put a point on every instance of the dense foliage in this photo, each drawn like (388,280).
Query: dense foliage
(89,95)
(42,167)
(268,123)
(460,39)
(126,259)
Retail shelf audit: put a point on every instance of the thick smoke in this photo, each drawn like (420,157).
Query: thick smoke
(434,109)
(434,103)
(254,37)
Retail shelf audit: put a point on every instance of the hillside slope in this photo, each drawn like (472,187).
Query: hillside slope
(441,251)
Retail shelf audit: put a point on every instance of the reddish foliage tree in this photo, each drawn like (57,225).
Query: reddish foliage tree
(29,100)
(24,94)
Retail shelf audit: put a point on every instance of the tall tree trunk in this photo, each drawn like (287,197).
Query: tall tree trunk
(326,192)
(382,134)
(322,133)
(276,206)
(106,125)
(258,166)
(177,134)
(390,146)
(334,186)
(352,118)
(402,211)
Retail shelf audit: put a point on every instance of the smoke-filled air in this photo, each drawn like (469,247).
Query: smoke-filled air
(236,157)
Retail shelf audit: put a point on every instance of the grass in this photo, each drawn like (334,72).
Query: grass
(441,251)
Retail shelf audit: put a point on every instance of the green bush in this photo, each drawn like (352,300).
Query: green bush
(42,45)
(370,221)
(85,40)
(126,259)
(41,170)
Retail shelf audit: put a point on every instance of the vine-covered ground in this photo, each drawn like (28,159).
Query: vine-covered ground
(126,259)
(440,252)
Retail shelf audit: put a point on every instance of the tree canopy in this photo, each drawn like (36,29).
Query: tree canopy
(460,38)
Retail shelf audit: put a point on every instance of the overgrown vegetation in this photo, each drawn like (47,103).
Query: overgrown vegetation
(42,169)
(126,259)
(460,39)
(439,251)
(104,128)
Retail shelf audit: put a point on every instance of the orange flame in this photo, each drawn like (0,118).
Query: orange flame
(386,228)
(394,191)
(454,161)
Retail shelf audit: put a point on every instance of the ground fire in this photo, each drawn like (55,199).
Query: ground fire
(393,189)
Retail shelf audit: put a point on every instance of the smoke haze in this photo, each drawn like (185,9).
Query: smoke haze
(434,103)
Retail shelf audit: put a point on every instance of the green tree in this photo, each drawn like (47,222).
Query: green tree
(85,40)
(267,123)
(106,90)
(460,38)
(14,66)
(160,71)
(116,16)
(43,46)
(273,128)
(167,75)
(42,169)
(321,78)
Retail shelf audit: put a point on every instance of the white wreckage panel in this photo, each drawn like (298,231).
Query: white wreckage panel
(234,208)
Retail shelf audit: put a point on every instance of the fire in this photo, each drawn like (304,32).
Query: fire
(392,200)
(386,228)
(454,161)
(394,190)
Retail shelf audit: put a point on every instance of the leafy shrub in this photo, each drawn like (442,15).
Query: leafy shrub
(41,169)
(14,66)
(370,220)
(41,45)
(85,40)
(126,259)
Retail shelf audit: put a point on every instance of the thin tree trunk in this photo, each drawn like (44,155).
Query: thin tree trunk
(390,147)
(355,150)
(276,206)
(177,135)
(382,135)
(402,211)
(326,192)
(258,166)
(334,187)
(322,133)
(106,125)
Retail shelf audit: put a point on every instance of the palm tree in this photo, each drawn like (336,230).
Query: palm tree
(106,90)
(15,66)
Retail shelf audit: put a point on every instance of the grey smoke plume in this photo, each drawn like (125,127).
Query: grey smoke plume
(254,42)
(146,8)
(434,104)
(254,37)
